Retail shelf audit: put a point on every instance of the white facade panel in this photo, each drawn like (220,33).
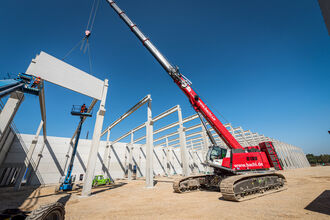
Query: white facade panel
(60,73)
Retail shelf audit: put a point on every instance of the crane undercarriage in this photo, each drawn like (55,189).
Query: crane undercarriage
(234,187)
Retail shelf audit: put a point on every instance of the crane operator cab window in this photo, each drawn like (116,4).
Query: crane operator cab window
(217,153)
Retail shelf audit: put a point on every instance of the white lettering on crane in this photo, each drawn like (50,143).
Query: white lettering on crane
(248,165)
(207,111)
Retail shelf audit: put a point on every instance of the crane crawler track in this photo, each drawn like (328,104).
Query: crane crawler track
(249,186)
(197,182)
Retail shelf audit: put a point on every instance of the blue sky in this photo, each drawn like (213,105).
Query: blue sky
(264,65)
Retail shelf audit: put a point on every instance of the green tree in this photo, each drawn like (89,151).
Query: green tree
(323,158)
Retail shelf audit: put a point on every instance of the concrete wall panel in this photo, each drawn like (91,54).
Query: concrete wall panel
(53,163)
(60,73)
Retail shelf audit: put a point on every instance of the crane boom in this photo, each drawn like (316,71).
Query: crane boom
(184,84)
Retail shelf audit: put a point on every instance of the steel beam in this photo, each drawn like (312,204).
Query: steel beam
(128,133)
(166,113)
(128,113)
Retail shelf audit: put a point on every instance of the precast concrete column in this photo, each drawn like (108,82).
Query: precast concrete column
(295,164)
(193,154)
(138,174)
(287,155)
(301,163)
(38,160)
(130,157)
(106,156)
(10,176)
(149,149)
(305,158)
(28,158)
(7,142)
(253,139)
(294,149)
(168,158)
(293,156)
(9,110)
(5,177)
(300,157)
(125,161)
(6,117)
(183,146)
(242,134)
(279,151)
(173,159)
(205,148)
(284,157)
(307,162)
(86,191)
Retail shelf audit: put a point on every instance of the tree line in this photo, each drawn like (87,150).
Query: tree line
(322,159)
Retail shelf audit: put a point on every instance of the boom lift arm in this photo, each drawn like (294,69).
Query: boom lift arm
(23,82)
(67,181)
(184,84)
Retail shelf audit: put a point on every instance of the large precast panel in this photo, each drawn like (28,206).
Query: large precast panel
(60,73)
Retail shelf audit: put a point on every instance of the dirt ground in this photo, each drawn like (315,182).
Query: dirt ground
(307,197)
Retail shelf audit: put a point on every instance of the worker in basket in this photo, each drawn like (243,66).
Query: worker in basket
(36,82)
(83,109)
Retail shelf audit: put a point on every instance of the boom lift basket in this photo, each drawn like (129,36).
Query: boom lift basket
(78,111)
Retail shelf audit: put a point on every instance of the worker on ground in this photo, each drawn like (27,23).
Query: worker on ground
(83,109)
(36,82)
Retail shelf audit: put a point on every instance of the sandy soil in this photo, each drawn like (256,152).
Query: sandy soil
(307,197)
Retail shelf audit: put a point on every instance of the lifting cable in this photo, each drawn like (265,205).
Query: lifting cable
(84,42)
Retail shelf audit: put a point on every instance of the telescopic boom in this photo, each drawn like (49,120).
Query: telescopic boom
(183,83)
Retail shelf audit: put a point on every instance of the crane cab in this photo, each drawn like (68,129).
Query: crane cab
(237,159)
(216,154)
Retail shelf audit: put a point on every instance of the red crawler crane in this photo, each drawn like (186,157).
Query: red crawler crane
(241,173)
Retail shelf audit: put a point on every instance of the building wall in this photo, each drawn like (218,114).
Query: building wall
(48,167)
(53,162)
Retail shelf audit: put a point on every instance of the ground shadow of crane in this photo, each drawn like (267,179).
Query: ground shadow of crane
(321,204)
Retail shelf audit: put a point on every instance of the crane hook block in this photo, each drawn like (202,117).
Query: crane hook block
(87,33)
